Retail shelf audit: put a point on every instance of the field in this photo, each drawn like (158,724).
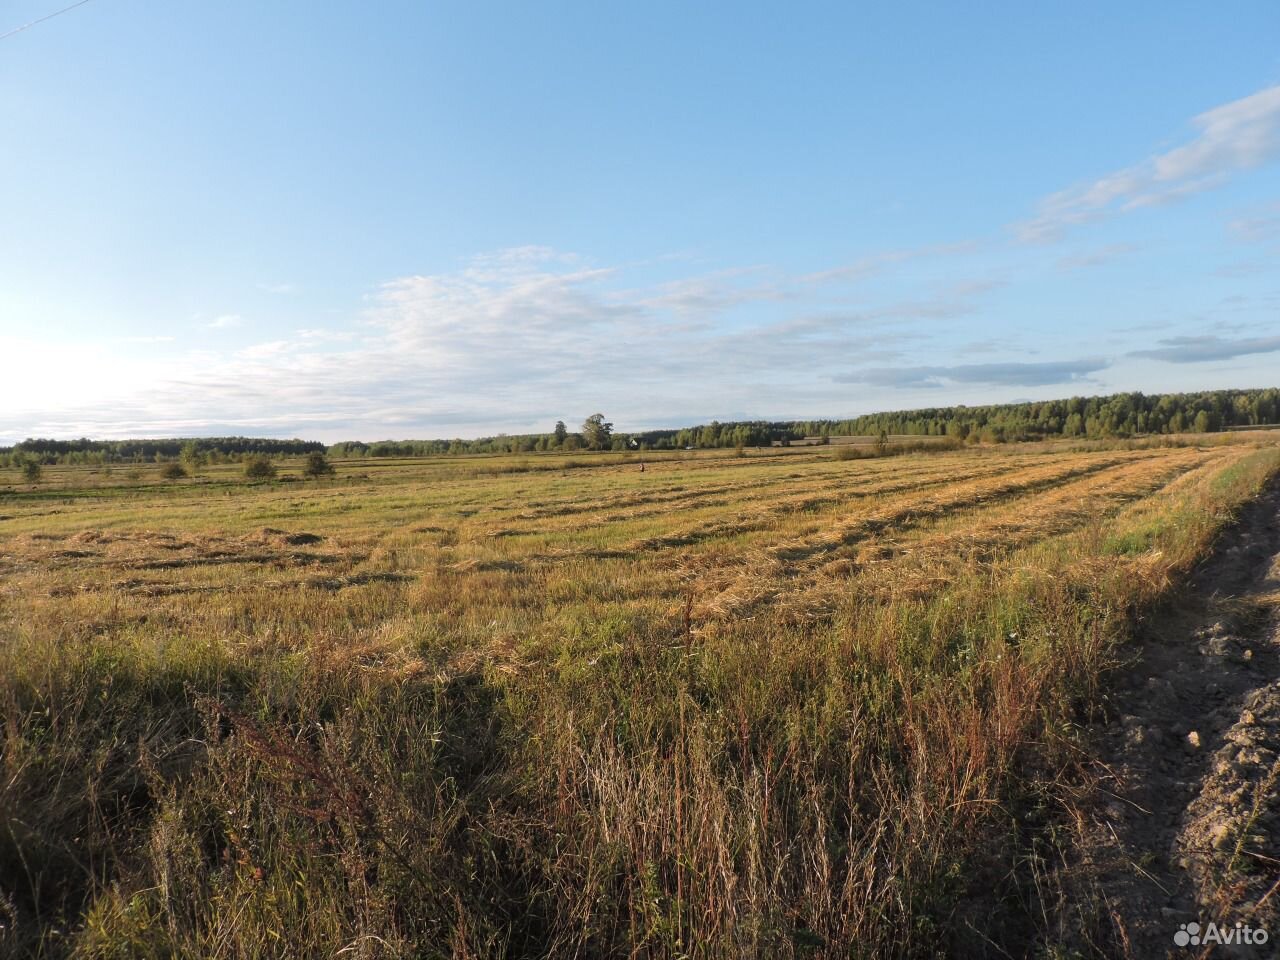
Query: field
(774,705)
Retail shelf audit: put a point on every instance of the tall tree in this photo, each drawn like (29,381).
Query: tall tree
(596,431)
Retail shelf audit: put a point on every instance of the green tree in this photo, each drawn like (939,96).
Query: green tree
(561,432)
(596,432)
(318,465)
(31,470)
(259,468)
(192,457)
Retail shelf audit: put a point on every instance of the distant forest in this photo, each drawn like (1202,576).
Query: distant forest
(209,449)
(1118,415)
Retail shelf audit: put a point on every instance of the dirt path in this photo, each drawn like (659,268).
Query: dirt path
(1184,826)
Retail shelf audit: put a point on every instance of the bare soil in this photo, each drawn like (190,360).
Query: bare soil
(1183,822)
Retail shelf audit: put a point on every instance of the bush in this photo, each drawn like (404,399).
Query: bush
(849,451)
(259,468)
(173,471)
(883,448)
(31,471)
(318,465)
(192,457)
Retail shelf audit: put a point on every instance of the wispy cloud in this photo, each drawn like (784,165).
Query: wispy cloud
(716,292)
(1015,374)
(1235,136)
(1203,348)
(323,335)
(225,320)
(262,351)
(1095,258)
(1240,269)
(990,345)
(878,263)
(1258,226)
(517,337)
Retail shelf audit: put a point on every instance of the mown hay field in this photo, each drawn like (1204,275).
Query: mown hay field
(775,705)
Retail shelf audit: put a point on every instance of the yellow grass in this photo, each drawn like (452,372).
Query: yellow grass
(780,705)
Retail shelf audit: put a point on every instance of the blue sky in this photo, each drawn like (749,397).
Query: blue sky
(452,219)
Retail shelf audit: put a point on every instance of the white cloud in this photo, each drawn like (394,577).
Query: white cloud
(262,351)
(518,339)
(1233,137)
(1018,373)
(225,320)
(714,292)
(323,335)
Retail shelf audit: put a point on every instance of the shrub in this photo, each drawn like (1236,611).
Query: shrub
(849,451)
(173,471)
(259,468)
(31,471)
(318,465)
(883,448)
(192,457)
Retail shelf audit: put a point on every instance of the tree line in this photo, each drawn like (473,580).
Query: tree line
(1117,415)
(596,433)
(209,449)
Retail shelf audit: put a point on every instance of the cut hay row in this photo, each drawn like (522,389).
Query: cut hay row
(776,707)
(977,533)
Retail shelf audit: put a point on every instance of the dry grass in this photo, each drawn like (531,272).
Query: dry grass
(772,706)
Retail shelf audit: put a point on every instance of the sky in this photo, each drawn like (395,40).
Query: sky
(393,220)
